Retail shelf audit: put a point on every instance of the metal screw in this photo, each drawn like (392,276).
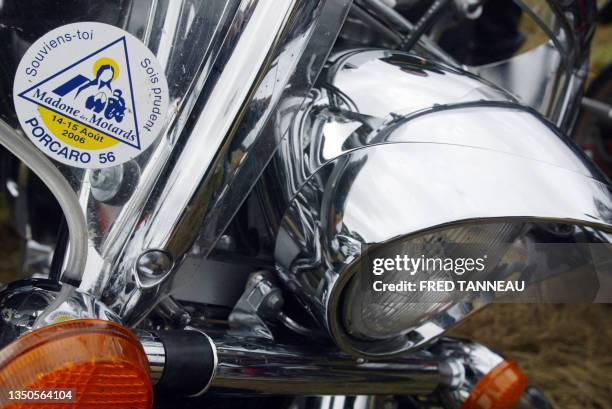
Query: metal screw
(105,183)
(154,263)
(102,178)
(226,242)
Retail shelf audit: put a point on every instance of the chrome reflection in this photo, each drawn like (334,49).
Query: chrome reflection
(177,185)
(197,178)
(256,365)
(229,65)
(445,373)
(549,78)
(363,167)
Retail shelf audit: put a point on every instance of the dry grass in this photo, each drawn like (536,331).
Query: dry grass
(566,350)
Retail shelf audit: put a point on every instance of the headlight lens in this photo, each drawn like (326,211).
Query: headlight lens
(383,314)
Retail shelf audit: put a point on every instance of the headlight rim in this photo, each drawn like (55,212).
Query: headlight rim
(428,330)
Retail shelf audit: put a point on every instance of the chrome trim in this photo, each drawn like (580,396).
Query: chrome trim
(344,114)
(42,166)
(213,347)
(298,60)
(555,90)
(182,193)
(213,151)
(266,18)
(469,363)
(449,369)
(156,354)
(436,136)
(255,365)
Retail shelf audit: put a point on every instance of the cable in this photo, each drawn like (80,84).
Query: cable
(59,252)
(423,24)
(57,184)
(294,326)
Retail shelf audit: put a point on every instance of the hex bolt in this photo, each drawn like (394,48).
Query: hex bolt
(172,310)
(275,301)
(154,263)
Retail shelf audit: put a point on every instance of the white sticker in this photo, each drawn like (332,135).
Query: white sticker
(90,95)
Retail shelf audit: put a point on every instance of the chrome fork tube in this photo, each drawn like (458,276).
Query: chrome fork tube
(276,369)
(447,371)
(259,366)
(212,153)
(156,354)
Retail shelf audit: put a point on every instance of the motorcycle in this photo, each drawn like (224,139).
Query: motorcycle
(214,245)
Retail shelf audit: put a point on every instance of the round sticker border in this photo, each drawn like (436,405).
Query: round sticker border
(98,107)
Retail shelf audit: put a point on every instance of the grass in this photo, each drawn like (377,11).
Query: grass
(566,350)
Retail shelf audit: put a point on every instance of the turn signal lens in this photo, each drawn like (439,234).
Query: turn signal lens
(499,389)
(99,364)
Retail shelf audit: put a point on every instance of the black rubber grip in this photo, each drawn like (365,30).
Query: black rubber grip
(190,362)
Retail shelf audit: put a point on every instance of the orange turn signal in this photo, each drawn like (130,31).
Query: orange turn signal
(499,389)
(89,364)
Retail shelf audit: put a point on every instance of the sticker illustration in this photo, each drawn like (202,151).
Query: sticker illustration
(90,95)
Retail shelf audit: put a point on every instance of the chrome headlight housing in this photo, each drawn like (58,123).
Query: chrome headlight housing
(455,162)
(357,219)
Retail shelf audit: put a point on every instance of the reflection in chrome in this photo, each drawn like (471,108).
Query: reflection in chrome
(446,372)
(26,305)
(549,77)
(228,74)
(248,364)
(185,163)
(432,147)
(156,354)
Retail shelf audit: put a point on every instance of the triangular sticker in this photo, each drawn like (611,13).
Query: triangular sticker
(96,92)
(91,95)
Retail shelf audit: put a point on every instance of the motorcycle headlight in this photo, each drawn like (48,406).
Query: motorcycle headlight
(463,173)
(378,315)
(532,233)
